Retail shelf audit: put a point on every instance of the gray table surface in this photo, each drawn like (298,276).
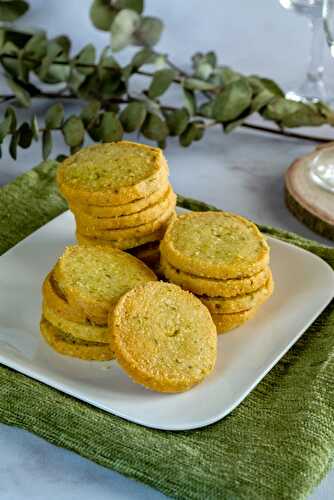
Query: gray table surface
(241,172)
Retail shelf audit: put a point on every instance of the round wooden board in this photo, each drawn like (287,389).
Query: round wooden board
(309,203)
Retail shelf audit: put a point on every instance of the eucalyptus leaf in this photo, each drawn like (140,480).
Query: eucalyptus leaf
(261,100)
(90,113)
(204,64)
(46,144)
(73,131)
(143,56)
(12,10)
(108,66)
(206,109)
(23,67)
(232,101)
(133,115)
(123,28)
(154,128)
(136,5)
(196,84)
(10,113)
(53,50)
(226,75)
(54,116)
(177,121)
(86,56)
(64,42)
(161,81)
(13,146)
(21,94)
(193,132)
(293,114)
(110,128)
(190,101)
(148,32)
(272,87)
(25,135)
(4,128)
(35,128)
(102,14)
(199,58)
(36,46)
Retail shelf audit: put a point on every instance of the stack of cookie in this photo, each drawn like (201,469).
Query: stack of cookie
(79,294)
(223,259)
(120,196)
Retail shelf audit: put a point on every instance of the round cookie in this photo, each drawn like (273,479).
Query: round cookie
(127,233)
(121,210)
(112,173)
(239,303)
(94,278)
(163,337)
(76,348)
(216,245)
(150,214)
(81,331)
(227,322)
(211,286)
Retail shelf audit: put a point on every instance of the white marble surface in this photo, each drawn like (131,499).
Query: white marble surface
(241,172)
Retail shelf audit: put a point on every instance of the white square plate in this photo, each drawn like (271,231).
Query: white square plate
(304,286)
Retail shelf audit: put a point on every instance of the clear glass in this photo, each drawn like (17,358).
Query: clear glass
(322,167)
(313,88)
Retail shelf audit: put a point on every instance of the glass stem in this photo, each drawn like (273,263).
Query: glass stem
(316,65)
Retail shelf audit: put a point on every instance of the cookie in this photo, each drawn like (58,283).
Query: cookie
(239,303)
(108,211)
(217,245)
(71,346)
(163,337)
(148,215)
(112,173)
(211,286)
(94,278)
(227,322)
(86,331)
(125,233)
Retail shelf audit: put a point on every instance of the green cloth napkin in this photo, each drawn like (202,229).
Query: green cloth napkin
(278,444)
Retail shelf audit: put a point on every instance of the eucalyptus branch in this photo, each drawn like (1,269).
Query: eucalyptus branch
(213,94)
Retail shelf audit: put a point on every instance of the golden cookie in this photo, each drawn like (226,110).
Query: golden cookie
(112,173)
(215,245)
(163,337)
(94,278)
(87,331)
(76,348)
(120,210)
(211,286)
(219,305)
(150,214)
(227,322)
(127,233)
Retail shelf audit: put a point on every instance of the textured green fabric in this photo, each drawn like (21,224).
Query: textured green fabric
(278,444)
